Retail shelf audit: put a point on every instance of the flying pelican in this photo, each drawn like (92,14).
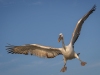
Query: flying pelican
(50,52)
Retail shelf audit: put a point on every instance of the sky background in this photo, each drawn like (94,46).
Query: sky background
(40,22)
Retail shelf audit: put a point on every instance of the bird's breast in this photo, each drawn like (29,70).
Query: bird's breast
(68,53)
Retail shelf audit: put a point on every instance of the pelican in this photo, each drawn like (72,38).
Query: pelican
(50,52)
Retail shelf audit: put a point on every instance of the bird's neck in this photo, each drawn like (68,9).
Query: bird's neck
(63,44)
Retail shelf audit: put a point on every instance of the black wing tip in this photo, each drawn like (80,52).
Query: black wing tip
(10,48)
(94,7)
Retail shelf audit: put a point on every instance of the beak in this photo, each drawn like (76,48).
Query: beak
(59,39)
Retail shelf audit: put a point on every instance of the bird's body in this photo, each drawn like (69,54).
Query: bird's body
(68,53)
(50,52)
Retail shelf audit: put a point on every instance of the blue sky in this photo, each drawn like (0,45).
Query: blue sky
(40,22)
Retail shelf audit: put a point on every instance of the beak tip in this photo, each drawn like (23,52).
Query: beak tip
(58,40)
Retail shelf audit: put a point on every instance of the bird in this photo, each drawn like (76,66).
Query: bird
(67,51)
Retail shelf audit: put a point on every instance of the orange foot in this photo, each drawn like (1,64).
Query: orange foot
(83,63)
(63,69)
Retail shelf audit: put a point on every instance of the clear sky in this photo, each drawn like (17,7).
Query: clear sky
(40,22)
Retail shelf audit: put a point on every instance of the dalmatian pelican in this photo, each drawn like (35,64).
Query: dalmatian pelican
(50,52)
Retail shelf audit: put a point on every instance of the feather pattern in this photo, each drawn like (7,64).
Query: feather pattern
(78,27)
(50,52)
(34,49)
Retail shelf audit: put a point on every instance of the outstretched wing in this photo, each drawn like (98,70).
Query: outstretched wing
(34,49)
(78,27)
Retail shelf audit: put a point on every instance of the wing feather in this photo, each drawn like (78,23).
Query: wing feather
(78,27)
(34,49)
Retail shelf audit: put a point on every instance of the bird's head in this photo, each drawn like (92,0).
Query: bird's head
(60,37)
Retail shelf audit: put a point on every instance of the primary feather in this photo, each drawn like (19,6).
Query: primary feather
(50,52)
(34,49)
(79,24)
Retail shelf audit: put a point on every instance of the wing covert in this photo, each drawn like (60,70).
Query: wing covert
(78,27)
(34,49)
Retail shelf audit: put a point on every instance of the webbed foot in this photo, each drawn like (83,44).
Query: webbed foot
(83,63)
(63,69)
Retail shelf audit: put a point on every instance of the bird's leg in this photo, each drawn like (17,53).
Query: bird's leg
(82,62)
(64,68)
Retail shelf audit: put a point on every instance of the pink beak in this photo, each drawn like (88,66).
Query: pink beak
(60,38)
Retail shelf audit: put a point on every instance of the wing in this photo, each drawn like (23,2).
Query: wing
(34,49)
(78,27)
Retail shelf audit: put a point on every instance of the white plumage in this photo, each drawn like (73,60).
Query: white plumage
(50,52)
